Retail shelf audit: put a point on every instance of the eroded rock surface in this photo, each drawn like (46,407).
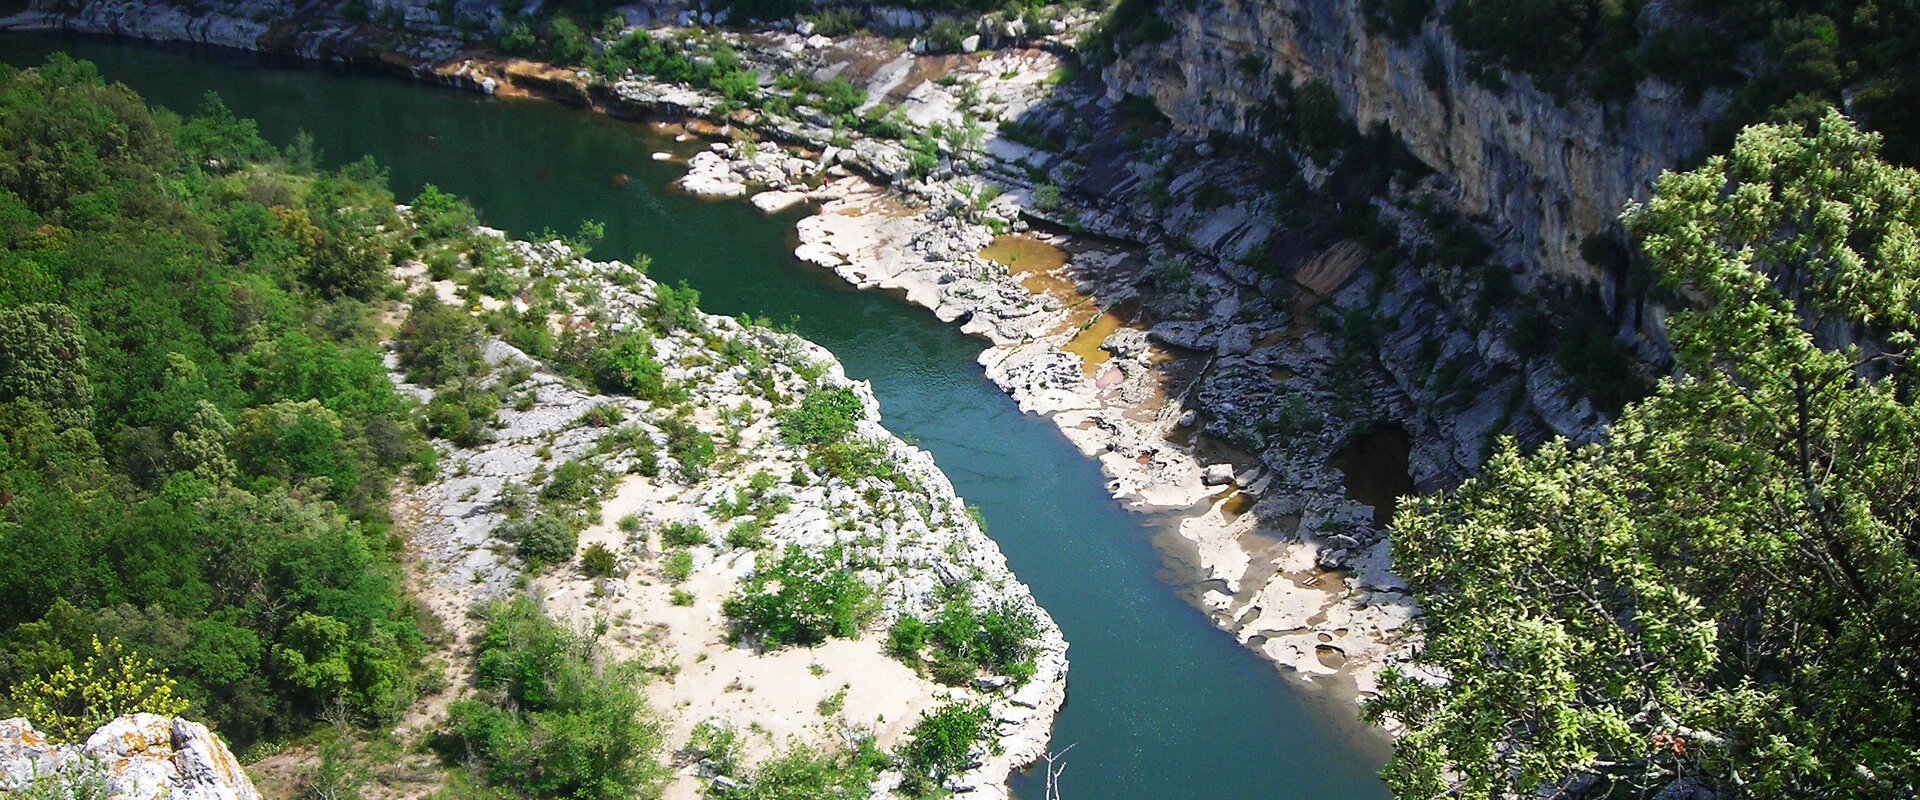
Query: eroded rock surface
(137,757)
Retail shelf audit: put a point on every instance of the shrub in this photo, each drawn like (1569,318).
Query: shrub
(624,363)
(678,566)
(690,446)
(554,718)
(462,415)
(439,342)
(69,704)
(965,640)
(598,561)
(942,743)
(906,639)
(572,482)
(747,535)
(824,416)
(677,309)
(565,43)
(440,216)
(541,539)
(801,599)
(682,534)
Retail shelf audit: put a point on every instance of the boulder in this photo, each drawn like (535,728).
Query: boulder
(1217,475)
(141,757)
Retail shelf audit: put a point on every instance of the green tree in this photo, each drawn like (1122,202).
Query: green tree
(801,599)
(43,361)
(1724,589)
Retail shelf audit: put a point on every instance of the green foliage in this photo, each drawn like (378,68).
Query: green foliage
(441,216)
(1723,589)
(1811,53)
(76,699)
(801,599)
(556,717)
(806,774)
(540,539)
(677,567)
(598,561)
(439,342)
(942,745)
(690,446)
(707,63)
(682,534)
(676,309)
(462,414)
(43,362)
(196,436)
(624,362)
(824,417)
(566,44)
(965,640)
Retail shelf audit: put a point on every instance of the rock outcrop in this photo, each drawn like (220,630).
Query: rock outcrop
(136,757)
(1548,173)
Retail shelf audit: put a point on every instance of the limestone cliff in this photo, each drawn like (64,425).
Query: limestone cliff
(1546,173)
(136,757)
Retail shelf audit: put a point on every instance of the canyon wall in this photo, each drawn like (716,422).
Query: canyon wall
(1542,173)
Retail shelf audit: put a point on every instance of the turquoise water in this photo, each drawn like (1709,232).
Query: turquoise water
(1161,706)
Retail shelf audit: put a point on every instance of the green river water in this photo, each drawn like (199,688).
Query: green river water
(1161,706)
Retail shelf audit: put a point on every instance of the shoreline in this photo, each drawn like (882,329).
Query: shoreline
(1150,473)
(775,699)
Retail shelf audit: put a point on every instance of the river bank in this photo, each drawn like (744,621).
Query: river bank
(1274,552)
(1144,663)
(912,534)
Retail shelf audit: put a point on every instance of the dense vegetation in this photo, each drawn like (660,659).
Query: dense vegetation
(556,717)
(961,640)
(198,431)
(1724,590)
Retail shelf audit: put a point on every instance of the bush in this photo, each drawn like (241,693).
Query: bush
(942,745)
(439,342)
(824,417)
(440,216)
(907,638)
(572,482)
(965,640)
(747,535)
(555,717)
(801,599)
(565,43)
(599,562)
(690,446)
(678,566)
(677,309)
(624,363)
(541,539)
(72,702)
(462,415)
(682,534)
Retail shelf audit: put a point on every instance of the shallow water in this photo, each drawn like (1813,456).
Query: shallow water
(1161,706)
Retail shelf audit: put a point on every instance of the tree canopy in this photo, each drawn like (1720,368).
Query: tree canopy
(197,432)
(1724,590)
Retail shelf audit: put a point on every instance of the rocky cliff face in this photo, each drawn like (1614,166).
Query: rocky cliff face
(137,757)
(1546,174)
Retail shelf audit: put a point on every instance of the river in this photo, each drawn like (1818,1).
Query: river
(1161,705)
